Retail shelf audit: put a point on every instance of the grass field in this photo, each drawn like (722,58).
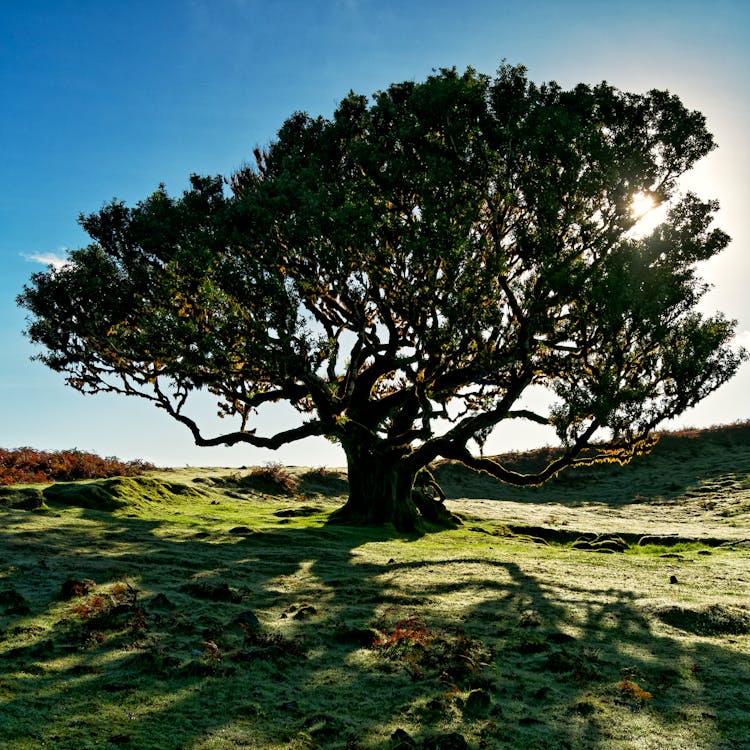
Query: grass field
(208,609)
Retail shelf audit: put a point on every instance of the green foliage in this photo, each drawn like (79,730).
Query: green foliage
(427,255)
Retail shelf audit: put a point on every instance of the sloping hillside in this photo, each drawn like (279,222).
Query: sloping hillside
(681,463)
(694,484)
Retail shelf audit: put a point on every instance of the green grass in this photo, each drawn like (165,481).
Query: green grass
(510,640)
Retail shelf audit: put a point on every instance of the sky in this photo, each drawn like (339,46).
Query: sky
(105,99)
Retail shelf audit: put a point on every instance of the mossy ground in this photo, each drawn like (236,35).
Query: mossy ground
(212,613)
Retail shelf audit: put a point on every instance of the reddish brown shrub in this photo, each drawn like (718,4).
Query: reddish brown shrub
(28,466)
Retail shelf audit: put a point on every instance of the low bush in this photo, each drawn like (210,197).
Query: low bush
(273,478)
(29,466)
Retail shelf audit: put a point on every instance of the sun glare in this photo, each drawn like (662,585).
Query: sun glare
(641,204)
(647,212)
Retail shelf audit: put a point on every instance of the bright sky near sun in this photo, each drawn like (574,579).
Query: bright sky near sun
(106,99)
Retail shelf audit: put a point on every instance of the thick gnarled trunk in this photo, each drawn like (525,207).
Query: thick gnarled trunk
(387,490)
(380,491)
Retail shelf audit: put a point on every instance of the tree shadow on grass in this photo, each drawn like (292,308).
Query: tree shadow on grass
(489,649)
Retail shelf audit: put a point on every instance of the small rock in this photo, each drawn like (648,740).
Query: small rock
(247,619)
(450,741)
(477,702)
(217,592)
(402,740)
(302,611)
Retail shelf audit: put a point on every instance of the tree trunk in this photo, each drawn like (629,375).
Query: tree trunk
(382,491)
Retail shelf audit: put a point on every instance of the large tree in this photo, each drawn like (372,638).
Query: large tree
(404,272)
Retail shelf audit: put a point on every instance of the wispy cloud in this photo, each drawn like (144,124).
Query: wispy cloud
(47,259)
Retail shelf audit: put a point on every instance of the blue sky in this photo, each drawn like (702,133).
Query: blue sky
(103,99)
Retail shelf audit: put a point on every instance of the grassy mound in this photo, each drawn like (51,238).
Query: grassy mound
(118,492)
(710,620)
(23,498)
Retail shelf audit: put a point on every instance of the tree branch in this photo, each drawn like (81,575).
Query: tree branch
(308,429)
(498,471)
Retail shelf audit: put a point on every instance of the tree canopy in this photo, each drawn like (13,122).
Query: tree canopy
(403,272)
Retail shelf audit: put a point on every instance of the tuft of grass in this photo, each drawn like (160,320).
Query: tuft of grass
(323,481)
(272,478)
(709,620)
